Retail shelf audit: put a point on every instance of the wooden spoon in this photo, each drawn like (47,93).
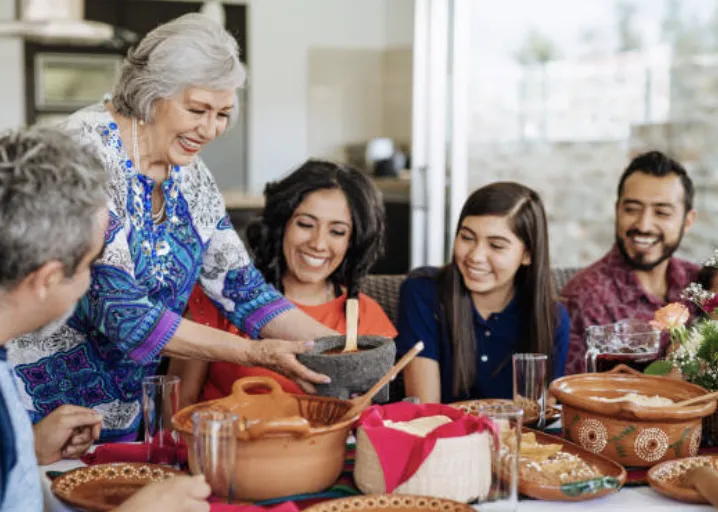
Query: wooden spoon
(352,312)
(362,402)
(697,399)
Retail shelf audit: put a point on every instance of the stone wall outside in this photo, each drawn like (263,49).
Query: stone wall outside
(578,179)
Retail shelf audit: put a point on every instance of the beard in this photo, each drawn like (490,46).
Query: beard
(639,262)
(55,325)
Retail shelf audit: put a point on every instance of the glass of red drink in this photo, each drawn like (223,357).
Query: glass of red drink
(633,343)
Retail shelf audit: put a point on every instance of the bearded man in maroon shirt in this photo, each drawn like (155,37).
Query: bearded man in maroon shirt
(639,274)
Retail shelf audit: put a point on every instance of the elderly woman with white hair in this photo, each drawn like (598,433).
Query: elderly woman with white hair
(168,228)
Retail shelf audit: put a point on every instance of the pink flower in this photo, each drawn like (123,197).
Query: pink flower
(672,316)
(710,305)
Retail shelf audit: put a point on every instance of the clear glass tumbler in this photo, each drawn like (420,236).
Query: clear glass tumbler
(530,386)
(160,401)
(503,495)
(215,450)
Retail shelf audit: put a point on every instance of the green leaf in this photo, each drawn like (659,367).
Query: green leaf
(660,367)
(691,368)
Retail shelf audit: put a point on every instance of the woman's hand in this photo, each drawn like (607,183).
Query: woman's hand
(280,356)
(66,433)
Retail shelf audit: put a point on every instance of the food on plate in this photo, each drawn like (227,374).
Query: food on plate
(531,408)
(547,463)
(651,401)
(420,427)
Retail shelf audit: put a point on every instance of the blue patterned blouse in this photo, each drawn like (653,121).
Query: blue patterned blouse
(139,289)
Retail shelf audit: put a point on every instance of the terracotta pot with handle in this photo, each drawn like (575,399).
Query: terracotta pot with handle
(626,432)
(286,444)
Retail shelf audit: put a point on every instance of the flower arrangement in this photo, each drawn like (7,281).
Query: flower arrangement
(693,352)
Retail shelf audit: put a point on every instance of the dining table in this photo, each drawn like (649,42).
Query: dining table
(629,498)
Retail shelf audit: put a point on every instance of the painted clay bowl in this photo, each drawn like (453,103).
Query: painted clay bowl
(286,444)
(104,487)
(352,373)
(666,477)
(391,503)
(626,432)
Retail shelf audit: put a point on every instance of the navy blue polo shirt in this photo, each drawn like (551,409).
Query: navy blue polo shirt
(497,337)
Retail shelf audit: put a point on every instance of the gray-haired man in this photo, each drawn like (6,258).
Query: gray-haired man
(53,217)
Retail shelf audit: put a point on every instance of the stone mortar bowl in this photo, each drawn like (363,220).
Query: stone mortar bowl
(352,373)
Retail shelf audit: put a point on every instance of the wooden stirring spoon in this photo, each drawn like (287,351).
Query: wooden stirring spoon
(352,312)
(362,402)
(697,399)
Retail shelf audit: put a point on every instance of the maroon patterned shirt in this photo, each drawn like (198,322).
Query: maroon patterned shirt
(609,291)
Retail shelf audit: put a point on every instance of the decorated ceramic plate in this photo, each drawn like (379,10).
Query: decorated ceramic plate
(390,503)
(554,469)
(666,477)
(105,486)
(530,418)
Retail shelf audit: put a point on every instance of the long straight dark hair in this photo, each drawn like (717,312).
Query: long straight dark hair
(527,219)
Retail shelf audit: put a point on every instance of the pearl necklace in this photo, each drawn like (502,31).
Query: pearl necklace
(156,217)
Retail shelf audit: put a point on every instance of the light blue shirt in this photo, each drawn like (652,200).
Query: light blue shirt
(21,485)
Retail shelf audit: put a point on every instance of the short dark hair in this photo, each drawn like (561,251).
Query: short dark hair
(366,245)
(655,163)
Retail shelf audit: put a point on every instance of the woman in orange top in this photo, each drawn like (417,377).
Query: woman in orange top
(321,231)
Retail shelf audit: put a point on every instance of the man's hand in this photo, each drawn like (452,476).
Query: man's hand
(177,494)
(705,480)
(66,433)
(280,356)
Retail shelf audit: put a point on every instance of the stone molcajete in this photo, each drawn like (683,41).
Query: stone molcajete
(352,373)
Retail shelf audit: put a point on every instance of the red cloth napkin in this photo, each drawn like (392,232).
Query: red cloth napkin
(287,506)
(117,452)
(137,452)
(400,453)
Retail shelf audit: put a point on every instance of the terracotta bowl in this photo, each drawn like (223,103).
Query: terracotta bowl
(286,444)
(351,372)
(629,433)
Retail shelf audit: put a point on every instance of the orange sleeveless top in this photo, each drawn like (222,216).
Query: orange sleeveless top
(221,376)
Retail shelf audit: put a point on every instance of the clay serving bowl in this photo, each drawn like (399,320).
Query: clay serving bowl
(286,444)
(351,372)
(626,432)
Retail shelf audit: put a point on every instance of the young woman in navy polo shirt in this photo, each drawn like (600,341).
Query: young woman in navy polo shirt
(494,299)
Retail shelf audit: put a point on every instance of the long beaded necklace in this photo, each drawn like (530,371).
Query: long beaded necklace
(154,244)
(156,217)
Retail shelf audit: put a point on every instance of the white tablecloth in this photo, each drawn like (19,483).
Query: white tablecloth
(635,499)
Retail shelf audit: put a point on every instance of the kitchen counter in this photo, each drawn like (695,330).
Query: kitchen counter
(394,190)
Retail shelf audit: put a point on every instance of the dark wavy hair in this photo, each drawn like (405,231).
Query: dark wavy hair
(527,219)
(366,245)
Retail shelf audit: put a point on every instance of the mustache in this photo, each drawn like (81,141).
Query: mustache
(638,232)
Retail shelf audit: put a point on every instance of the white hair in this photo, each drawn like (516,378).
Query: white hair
(190,51)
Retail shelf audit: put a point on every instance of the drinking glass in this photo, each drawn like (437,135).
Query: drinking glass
(503,494)
(160,401)
(530,386)
(629,342)
(215,450)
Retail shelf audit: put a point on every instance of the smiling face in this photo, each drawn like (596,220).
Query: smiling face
(488,254)
(651,219)
(316,238)
(186,122)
